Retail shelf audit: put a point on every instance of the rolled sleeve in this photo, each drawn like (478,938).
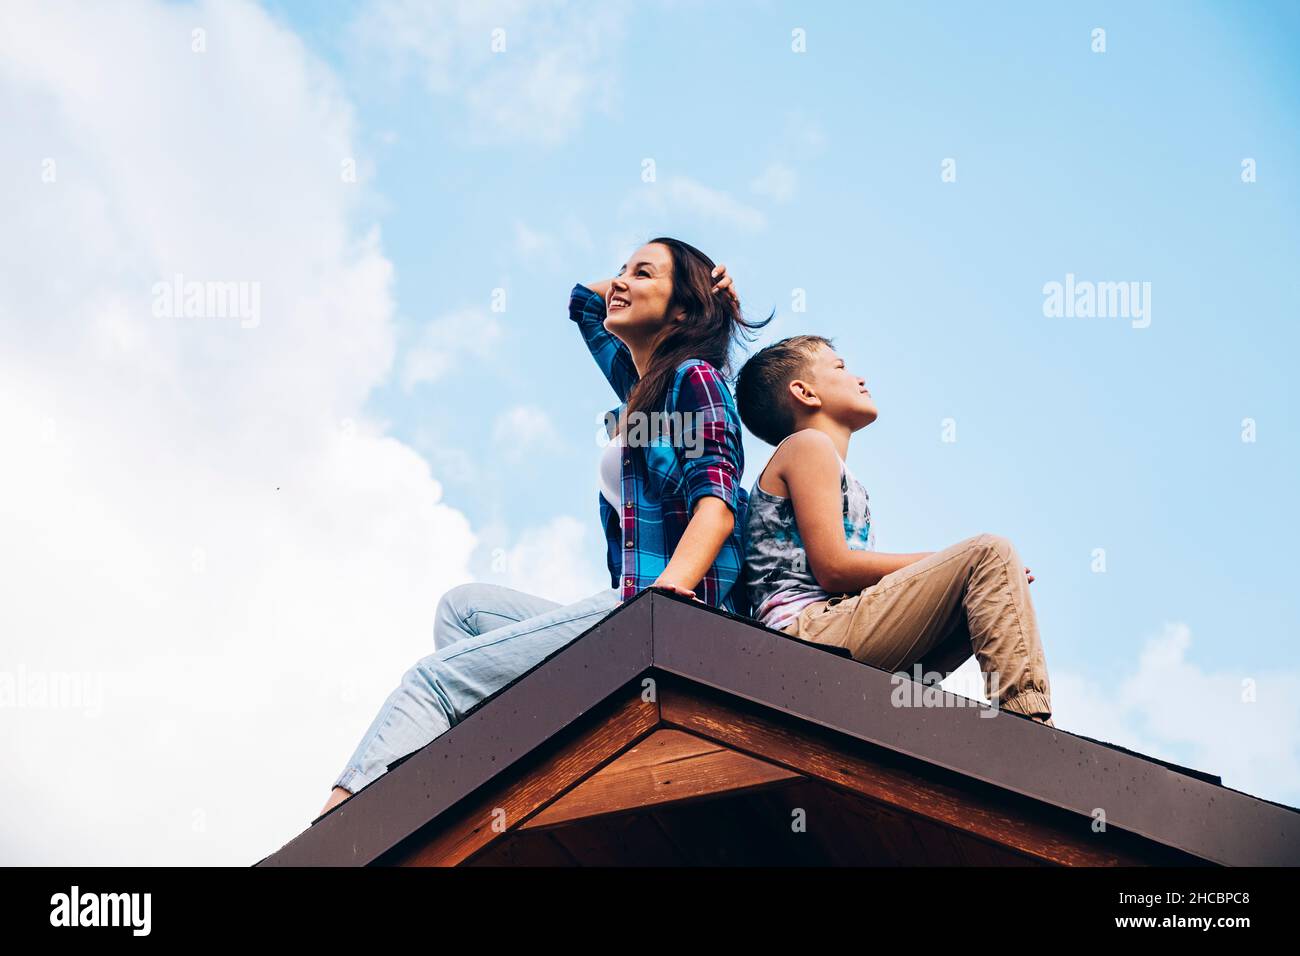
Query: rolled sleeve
(585,305)
(587,309)
(710,452)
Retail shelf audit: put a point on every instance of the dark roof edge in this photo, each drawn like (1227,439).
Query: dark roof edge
(741,658)
(1056,767)
(480,746)
(843,652)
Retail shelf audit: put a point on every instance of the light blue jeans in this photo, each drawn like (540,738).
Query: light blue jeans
(484,636)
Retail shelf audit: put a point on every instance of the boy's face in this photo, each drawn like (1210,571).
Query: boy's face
(844,396)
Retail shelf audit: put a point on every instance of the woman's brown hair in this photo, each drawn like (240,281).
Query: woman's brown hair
(713,320)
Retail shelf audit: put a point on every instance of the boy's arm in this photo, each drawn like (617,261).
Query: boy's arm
(810,468)
(587,309)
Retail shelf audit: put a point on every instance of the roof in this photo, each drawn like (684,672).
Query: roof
(670,719)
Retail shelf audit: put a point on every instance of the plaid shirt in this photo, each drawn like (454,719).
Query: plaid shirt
(662,481)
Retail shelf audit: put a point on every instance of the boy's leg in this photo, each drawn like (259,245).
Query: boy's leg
(975,594)
(469,610)
(441,688)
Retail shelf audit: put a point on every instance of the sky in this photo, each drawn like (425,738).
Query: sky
(225,533)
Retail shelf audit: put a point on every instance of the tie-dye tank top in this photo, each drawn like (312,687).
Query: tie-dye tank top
(776,565)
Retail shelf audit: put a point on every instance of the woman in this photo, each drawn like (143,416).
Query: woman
(671,500)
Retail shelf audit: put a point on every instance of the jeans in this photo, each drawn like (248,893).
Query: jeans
(484,637)
(972,597)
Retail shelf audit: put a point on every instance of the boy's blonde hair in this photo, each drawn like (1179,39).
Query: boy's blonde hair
(762,393)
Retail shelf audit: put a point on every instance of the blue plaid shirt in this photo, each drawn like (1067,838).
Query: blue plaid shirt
(662,479)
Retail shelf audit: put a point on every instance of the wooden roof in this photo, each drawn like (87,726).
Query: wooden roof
(672,733)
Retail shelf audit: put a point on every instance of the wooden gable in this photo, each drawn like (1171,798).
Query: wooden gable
(671,733)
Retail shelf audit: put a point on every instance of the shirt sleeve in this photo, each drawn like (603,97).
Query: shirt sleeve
(711,455)
(588,310)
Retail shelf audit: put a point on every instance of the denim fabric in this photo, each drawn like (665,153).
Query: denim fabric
(485,636)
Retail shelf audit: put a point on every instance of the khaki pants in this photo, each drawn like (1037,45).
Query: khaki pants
(970,598)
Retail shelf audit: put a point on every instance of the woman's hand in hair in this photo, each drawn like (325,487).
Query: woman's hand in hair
(724,282)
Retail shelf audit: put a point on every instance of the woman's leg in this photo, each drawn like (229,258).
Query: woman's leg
(435,693)
(469,610)
(973,596)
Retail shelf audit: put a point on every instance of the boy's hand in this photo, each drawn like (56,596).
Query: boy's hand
(724,282)
(1031,575)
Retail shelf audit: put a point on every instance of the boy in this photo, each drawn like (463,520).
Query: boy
(810,560)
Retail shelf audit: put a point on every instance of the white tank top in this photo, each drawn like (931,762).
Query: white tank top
(611,474)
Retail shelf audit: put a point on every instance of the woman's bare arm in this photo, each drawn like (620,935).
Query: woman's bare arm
(710,525)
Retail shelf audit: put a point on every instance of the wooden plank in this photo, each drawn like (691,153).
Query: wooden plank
(815,754)
(932,842)
(461,832)
(752,828)
(844,819)
(628,839)
(516,849)
(937,844)
(667,767)
(829,836)
(735,831)
(859,832)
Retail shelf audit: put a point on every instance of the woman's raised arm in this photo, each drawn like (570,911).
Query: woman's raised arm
(587,309)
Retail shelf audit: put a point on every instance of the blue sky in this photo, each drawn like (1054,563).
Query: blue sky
(256,521)
(1072,433)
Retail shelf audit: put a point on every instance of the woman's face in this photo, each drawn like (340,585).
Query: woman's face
(638,295)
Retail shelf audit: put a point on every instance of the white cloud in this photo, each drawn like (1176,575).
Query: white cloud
(533,244)
(198,515)
(622,244)
(1169,707)
(454,464)
(552,249)
(803,136)
(778,182)
(556,66)
(1166,706)
(523,430)
(562,560)
(469,333)
(679,196)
